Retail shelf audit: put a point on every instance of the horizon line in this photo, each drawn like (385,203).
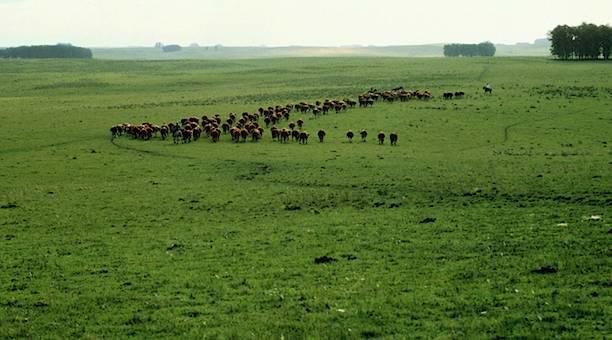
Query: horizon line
(276,46)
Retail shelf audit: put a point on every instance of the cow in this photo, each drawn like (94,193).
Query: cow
(215,134)
(187,135)
(255,135)
(115,131)
(349,135)
(177,136)
(321,134)
(225,127)
(364,135)
(244,133)
(393,138)
(303,138)
(488,89)
(196,133)
(295,135)
(235,133)
(381,138)
(163,131)
(274,132)
(284,135)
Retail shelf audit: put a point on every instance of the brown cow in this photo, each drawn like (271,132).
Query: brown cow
(255,135)
(244,133)
(196,133)
(274,132)
(215,134)
(187,135)
(235,133)
(284,135)
(225,127)
(300,123)
(163,131)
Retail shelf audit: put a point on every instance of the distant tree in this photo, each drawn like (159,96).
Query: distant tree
(562,42)
(485,49)
(605,33)
(47,51)
(587,41)
(171,48)
(159,45)
(449,50)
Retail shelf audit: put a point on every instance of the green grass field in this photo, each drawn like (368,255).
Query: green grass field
(151,239)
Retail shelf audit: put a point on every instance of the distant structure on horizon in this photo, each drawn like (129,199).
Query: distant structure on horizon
(542,42)
(171,48)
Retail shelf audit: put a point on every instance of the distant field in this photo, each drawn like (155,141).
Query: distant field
(150,53)
(491,218)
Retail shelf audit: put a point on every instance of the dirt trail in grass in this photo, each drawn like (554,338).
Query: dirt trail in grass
(149,152)
(507,128)
(44,146)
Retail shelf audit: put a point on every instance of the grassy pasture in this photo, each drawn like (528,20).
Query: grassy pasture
(151,239)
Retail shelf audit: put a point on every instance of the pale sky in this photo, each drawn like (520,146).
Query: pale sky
(99,23)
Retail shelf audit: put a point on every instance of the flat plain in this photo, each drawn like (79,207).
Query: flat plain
(490,218)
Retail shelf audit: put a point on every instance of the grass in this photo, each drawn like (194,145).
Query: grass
(151,239)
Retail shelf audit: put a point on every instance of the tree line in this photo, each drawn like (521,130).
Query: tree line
(587,41)
(46,51)
(485,49)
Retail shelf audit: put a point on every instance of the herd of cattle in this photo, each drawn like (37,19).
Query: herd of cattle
(246,126)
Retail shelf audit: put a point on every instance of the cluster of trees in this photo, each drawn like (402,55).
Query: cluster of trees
(485,49)
(587,41)
(46,51)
